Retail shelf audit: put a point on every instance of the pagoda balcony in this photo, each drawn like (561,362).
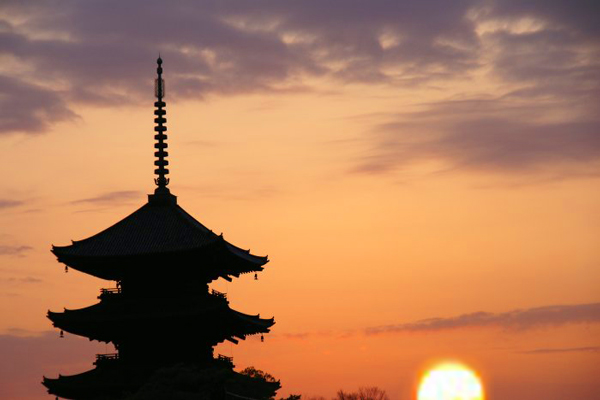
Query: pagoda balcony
(218,294)
(109,293)
(102,359)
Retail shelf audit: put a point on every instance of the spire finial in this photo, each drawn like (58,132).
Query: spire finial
(159,91)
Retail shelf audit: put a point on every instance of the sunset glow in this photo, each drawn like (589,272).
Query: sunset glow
(450,381)
(422,175)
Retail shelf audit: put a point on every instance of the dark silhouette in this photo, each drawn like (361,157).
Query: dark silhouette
(364,393)
(161,317)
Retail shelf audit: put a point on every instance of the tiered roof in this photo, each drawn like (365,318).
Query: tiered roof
(159,229)
(163,260)
(160,233)
(210,318)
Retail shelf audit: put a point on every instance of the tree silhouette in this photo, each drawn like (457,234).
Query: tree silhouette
(258,374)
(364,393)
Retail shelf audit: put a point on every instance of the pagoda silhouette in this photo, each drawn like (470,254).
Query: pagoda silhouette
(161,317)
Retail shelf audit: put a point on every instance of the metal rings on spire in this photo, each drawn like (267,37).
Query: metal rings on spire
(161,145)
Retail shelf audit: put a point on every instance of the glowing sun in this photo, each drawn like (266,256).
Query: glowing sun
(450,381)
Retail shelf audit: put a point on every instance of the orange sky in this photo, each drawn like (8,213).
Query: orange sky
(379,204)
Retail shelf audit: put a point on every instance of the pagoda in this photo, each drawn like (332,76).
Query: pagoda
(161,313)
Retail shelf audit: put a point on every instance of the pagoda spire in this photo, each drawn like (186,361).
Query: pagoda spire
(161,154)
(161,314)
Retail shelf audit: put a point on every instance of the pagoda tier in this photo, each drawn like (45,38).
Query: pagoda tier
(100,382)
(129,322)
(160,235)
(112,379)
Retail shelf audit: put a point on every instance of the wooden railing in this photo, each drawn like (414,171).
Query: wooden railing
(102,358)
(104,293)
(110,292)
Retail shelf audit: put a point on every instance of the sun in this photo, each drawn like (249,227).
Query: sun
(450,381)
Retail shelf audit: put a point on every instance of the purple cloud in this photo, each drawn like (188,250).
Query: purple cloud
(491,135)
(31,108)
(100,53)
(7,203)
(540,317)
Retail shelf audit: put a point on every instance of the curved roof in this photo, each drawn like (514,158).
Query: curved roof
(106,320)
(158,227)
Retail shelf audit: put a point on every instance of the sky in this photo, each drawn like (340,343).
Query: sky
(422,174)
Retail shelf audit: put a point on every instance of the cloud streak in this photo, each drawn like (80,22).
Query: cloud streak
(110,198)
(540,317)
(18,251)
(7,203)
(590,349)
(500,135)
(27,279)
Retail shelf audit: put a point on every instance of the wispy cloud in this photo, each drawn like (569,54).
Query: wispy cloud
(202,143)
(239,47)
(487,135)
(591,349)
(7,203)
(27,279)
(539,317)
(239,192)
(28,107)
(111,198)
(341,334)
(19,251)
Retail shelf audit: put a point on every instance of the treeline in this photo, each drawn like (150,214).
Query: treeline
(363,393)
